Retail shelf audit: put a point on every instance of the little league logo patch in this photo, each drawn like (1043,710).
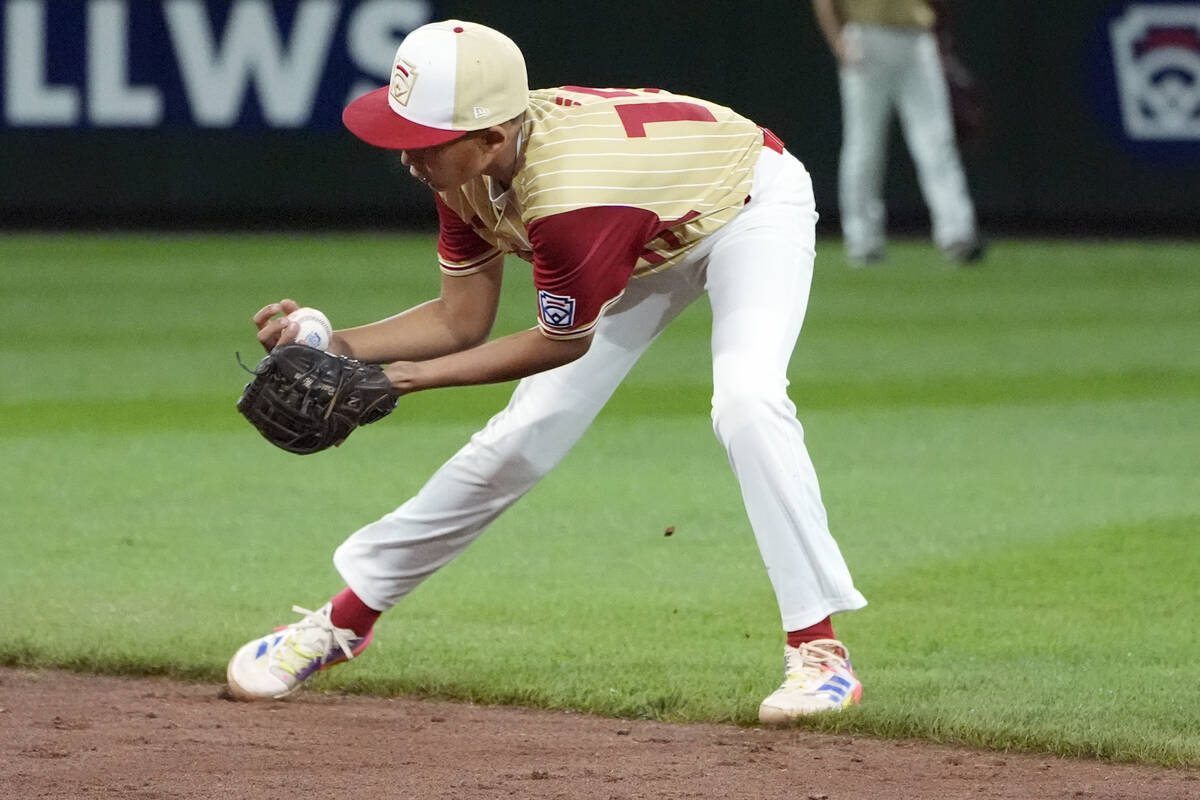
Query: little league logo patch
(1156,53)
(558,311)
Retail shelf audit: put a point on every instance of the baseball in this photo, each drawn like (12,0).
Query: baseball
(315,330)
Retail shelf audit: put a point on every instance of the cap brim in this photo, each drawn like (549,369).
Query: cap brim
(371,119)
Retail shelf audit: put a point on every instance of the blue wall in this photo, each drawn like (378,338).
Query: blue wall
(188,113)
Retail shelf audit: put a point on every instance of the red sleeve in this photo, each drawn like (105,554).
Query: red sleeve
(461,250)
(582,261)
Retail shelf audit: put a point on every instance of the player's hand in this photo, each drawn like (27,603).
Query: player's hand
(274,328)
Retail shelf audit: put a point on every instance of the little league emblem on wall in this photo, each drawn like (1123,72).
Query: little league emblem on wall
(558,311)
(1156,53)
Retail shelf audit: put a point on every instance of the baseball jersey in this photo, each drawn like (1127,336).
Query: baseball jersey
(893,13)
(613,184)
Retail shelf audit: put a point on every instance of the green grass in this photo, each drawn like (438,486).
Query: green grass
(1008,455)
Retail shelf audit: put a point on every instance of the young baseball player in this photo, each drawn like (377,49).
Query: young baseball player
(629,204)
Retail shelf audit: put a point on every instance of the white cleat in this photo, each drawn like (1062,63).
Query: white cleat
(274,666)
(817,677)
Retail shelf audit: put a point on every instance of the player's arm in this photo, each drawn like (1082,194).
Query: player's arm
(831,27)
(508,358)
(582,261)
(460,318)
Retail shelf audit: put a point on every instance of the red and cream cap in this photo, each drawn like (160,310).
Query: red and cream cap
(448,78)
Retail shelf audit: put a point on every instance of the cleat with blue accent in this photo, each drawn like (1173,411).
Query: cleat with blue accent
(274,666)
(817,677)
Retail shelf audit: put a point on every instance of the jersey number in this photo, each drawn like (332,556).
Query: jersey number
(635,116)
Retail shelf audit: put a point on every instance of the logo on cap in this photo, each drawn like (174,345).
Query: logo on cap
(404,75)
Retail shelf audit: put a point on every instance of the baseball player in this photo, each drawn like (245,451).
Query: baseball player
(888,58)
(629,204)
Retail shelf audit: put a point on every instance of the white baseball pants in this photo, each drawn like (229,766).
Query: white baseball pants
(757,270)
(900,68)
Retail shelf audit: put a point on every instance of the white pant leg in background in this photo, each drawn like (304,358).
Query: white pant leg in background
(928,124)
(759,270)
(547,414)
(867,89)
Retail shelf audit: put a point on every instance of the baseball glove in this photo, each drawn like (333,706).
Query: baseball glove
(305,400)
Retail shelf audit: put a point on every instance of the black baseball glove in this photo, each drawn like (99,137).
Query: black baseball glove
(305,400)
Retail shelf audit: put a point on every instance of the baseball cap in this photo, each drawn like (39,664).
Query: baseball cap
(448,78)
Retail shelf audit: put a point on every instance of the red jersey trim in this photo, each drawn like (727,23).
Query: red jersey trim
(469,267)
(771,141)
(461,250)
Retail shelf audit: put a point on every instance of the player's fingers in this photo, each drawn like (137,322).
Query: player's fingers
(287,332)
(264,314)
(268,334)
(272,330)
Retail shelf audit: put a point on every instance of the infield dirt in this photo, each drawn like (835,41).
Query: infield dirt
(66,735)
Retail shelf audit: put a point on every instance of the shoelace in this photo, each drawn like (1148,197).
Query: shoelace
(809,661)
(294,657)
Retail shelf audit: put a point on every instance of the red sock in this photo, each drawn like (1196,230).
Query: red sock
(822,630)
(350,612)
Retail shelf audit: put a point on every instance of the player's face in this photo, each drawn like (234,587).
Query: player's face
(450,165)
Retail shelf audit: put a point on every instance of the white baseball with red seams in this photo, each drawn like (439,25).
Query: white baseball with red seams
(315,329)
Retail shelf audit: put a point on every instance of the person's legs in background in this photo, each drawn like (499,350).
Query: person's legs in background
(866,97)
(928,125)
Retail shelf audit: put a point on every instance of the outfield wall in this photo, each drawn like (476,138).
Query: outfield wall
(186,113)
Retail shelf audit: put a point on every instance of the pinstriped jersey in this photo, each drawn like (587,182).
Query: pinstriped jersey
(602,168)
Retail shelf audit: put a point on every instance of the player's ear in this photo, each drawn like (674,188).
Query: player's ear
(495,137)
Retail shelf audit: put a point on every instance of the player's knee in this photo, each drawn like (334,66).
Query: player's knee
(748,405)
